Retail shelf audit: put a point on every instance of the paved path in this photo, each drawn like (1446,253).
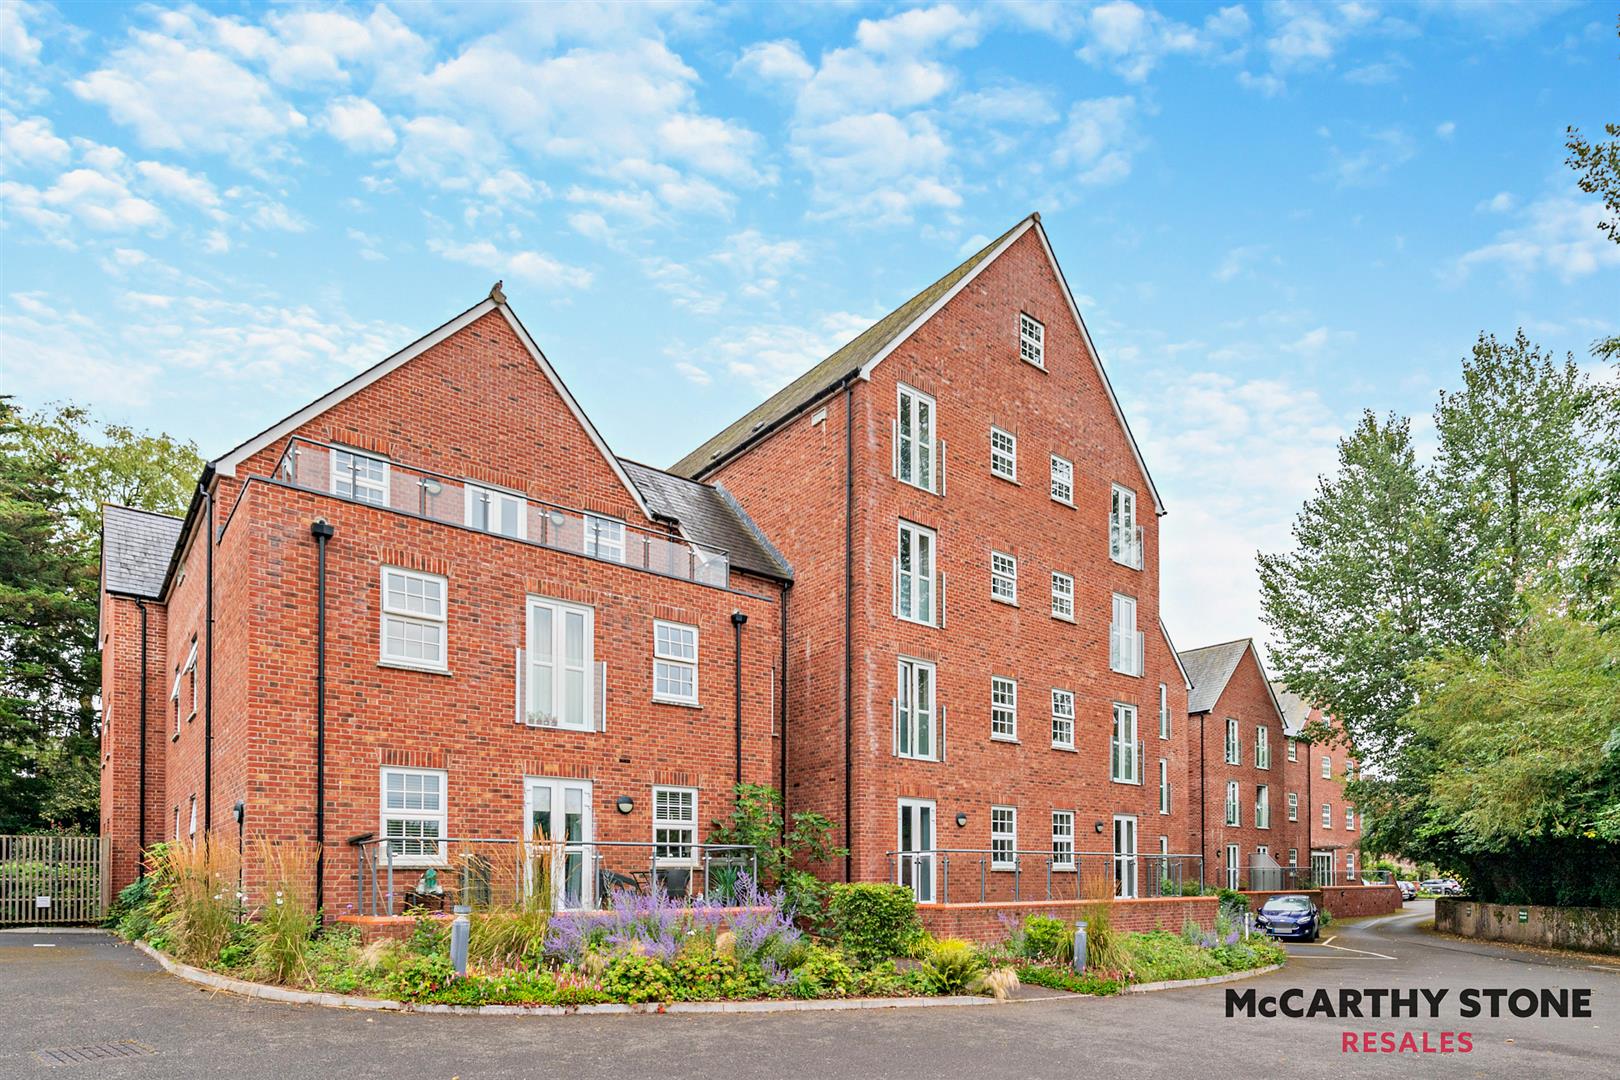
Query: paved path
(88,989)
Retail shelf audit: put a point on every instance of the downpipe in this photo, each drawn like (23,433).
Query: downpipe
(322,531)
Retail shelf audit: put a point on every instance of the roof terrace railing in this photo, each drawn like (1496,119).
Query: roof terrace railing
(378,481)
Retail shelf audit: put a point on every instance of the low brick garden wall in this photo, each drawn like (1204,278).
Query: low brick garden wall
(1354,901)
(1258,898)
(1585,929)
(984,923)
(398,927)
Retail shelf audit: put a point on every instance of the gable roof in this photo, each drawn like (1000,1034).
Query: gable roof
(1295,712)
(871,346)
(1211,668)
(496,301)
(136,547)
(710,517)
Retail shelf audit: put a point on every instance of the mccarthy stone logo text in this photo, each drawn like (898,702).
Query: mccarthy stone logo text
(1420,1003)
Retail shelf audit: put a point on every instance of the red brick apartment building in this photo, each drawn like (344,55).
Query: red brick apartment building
(433,604)
(1318,770)
(979,687)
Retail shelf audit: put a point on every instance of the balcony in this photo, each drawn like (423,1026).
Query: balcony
(376,481)
(1125,545)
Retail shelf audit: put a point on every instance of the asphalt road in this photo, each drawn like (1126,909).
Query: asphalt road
(89,989)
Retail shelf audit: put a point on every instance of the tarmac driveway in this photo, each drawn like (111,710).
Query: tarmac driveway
(63,991)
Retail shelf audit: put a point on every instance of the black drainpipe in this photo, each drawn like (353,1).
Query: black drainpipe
(782,771)
(208,678)
(322,532)
(1203,801)
(849,625)
(140,856)
(737,620)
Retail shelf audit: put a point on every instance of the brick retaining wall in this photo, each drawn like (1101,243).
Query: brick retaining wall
(1353,901)
(1586,929)
(982,923)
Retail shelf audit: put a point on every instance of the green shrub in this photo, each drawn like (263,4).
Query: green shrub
(507,938)
(1192,933)
(338,965)
(823,974)
(1233,902)
(872,922)
(199,904)
(1054,978)
(1046,938)
(952,967)
(886,980)
(701,974)
(418,976)
(286,919)
(238,949)
(1162,957)
(429,935)
(1102,943)
(633,978)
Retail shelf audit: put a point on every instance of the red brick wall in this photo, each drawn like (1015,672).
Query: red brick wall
(121,731)
(1335,839)
(988,923)
(1351,901)
(1248,699)
(966,357)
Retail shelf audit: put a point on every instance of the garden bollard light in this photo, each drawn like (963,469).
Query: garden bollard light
(1080,945)
(460,931)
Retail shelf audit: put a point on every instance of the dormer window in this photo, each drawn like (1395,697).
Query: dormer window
(1031,340)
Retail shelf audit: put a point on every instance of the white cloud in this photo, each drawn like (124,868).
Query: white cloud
(1500,203)
(1098,140)
(275,216)
(534,267)
(767,356)
(1265,84)
(756,262)
(174,182)
(100,201)
(918,29)
(1446,129)
(693,374)
(17,45)
(217,243)
(180,96)
(1382,153)
(1239,261)
(439,151)
(1556,234)
(775,61)
(30,143)
(358,124)
(1009,103)
(1132,39)
(877,167)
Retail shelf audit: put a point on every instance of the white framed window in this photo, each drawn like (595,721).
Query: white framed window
(358,477)
(1063,839)
(1293,749)
(1233,810)
(1003,708)
(561,658)
(1003,577)
(1063,719)
(1262,806)
(1293,856)
(413,815)
(1262,747)
(675,653)
(914,440)
(191,829)
(1031,340)
(1124,856)
(1062,596)
(1350,818)
(1350,866)
(675,826)
(914,574)
(174,702)
(1293,806)
(1062,480)
(1327,768)
(1124,535)
(1164,786)
(1164,846)
(190,673)
(914,711)
(1126,750)
(413,619)
(1234,866)
(604,538)
(1234,748)
(1327,815)
(1124,640)
(1003,454)
(1164,711)
(1003,837)
(496,511)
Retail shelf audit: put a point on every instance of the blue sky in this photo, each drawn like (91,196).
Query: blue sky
(1275,214)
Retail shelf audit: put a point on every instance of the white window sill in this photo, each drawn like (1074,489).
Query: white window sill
(1138,675)
(1041,367)
(1126,565)
(682,702)
(405,665)
(1003,600)
(1063,502)
(914,757)
(1013,480)
(1013,739)
(1005,868)
(918,622)
(1063,618)
(1127,783)
(919,487)
(1065,749)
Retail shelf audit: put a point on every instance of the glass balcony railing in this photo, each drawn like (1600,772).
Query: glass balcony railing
(368,478)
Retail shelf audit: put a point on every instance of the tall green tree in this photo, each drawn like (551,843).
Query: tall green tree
(56,469)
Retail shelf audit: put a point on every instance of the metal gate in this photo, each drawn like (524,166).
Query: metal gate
(54,879)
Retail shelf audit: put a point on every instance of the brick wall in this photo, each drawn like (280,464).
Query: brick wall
(988,923)
(1353,901)
(121,730)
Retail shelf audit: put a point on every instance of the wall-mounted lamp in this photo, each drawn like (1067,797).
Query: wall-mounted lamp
(625,804)
(1099,826)
(239,811)
(961,820)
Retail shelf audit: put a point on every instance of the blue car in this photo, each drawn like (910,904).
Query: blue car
(1289,917)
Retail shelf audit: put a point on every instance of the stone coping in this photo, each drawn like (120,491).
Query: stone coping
(216,981)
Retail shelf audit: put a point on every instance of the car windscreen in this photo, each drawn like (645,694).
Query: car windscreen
(1288,903)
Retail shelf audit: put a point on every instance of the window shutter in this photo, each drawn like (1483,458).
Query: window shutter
(601,695)
(939,602)
(517,673)
(939,466)
(1113,639)
(894,707)
(894,447)
(1140,659)
(1139,778)
(942,733)
(895,587)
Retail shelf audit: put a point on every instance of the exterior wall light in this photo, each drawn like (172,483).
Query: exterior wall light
(961,821)
(625,804)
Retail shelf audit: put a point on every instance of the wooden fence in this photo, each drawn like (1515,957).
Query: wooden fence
(54,879)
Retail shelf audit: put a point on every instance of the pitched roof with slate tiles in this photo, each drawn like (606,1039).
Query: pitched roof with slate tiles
(841,365)
(1295,712)
(1211,668)
(136,548)
(709,517)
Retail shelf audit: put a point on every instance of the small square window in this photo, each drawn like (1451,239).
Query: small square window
(1003,837)
(675,826)
(1003,708)
(1031,340)
(1003,578)
(1062,596)
(1003,454)
(1062,480)
(1063,839)
(675,650)
(413,618)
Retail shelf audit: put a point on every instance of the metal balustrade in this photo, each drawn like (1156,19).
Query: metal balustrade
(377,481)
(992,872)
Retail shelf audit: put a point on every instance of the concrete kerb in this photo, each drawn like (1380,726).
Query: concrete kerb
(215,981)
